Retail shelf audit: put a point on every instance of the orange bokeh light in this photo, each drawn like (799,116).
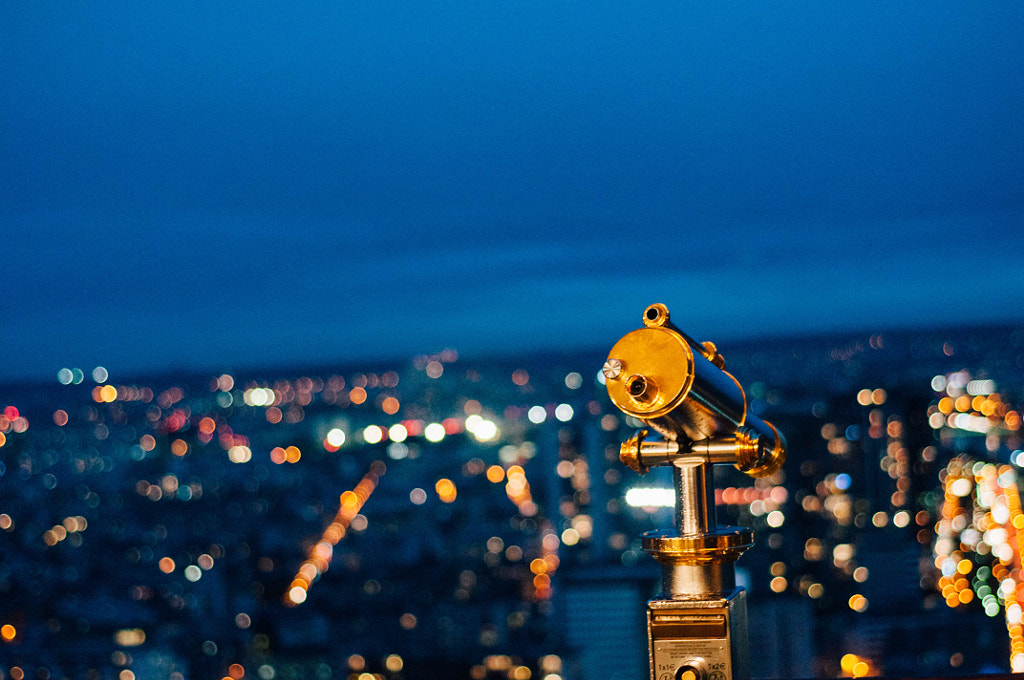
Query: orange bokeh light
(207,425)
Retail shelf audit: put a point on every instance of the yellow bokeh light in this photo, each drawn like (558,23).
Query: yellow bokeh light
(445,489)
(8,632)
(394,663)
(239,454)
(390,406)
(858,603)
(130,637)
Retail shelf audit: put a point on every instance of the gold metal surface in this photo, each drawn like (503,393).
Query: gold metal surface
(678,387)
(673,383)
(629,452)
(639,453)
(760,456)
(700,638)
(723,544)
(747,450)
(656,373)
(685,625)
(657,316)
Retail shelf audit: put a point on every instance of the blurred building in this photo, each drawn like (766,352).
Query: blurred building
(452,518)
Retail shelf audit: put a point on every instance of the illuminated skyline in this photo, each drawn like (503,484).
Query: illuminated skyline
(504,496)
(223,187)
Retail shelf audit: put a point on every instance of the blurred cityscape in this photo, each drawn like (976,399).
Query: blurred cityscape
(469,518)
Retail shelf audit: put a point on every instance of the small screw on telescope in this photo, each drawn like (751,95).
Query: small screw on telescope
(612,369)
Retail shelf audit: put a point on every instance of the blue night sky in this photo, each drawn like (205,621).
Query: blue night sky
(234,184)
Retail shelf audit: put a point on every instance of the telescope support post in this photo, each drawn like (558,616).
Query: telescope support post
(695,499)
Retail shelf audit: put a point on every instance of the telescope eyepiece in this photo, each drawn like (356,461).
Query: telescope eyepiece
(656,315)
(641,388)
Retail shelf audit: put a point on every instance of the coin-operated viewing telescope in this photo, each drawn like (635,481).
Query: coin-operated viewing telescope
(697,627)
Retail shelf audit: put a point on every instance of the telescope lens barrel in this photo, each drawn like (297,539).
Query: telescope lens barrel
(661,380)
(678,387)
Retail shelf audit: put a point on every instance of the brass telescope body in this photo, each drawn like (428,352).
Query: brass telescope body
(679,388)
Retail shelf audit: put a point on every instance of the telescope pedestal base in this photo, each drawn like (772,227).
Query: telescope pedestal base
(699,637)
